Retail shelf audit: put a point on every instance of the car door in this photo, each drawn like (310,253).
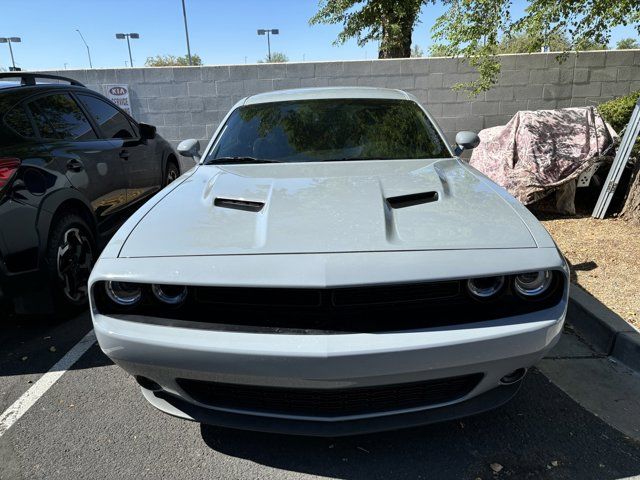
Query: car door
(90,163)
(142,166)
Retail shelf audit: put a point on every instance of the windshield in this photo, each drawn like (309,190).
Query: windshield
(328,130)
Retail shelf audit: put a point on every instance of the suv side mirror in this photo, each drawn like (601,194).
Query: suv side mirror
(466,141)
(190,148)
(147,132)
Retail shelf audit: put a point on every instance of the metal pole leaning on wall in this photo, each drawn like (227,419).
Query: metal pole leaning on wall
(617,167)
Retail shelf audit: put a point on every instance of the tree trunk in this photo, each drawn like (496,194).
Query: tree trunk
(396,42)
(631,209)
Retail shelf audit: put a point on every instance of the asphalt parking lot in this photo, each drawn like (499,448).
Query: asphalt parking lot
(93,423)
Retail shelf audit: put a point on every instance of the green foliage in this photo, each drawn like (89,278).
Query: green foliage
(439,50)
(276,57)
(390,22)
(417,52)
(476,28)
(521,43)
(627,44)
(618,111)
(172,61)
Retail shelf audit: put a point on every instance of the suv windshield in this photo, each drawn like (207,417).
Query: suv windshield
(328,130)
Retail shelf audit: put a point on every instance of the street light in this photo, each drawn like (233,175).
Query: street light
(11,40)
(122,36)
(268,32)
(85,44)
(186,31)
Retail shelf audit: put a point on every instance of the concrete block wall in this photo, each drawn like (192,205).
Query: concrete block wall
(189,102)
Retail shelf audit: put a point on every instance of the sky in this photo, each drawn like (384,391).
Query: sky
(221,31)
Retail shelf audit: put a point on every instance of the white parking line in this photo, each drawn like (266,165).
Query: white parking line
(12,414)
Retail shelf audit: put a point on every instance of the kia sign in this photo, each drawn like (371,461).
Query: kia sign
(119,94)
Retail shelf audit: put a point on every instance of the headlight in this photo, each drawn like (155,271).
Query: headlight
(170,294)
(124,293)
(532,284)
(485,287)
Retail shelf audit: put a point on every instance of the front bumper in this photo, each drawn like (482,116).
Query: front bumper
(493,349)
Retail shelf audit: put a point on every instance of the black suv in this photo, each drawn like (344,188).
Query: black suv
(73,167)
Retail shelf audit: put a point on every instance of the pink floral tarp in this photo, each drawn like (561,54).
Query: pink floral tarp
(539,151)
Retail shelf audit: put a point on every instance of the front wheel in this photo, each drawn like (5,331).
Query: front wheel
(173,172)
(70,257)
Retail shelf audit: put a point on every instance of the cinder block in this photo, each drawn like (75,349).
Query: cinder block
(511,108)
(561,60)
(474,124)
(356,69)
(529,61)
(161,104)
(129,75)
(156,119)
(591,89)
(636,58)
(343,81)
(447,124)
(99,76)
(285,83)
(433,80)
(566,76)
(243,72)
(617,58)
(581,75)
(329,69)
(158,75)
(531,91)
(300,70)
(546,75)
(465,67)
(174,90)
(253,86)
(630,73)
(499,94)
(452,79)
(507,62)
(315,82)
(591,59)
(146,90)
(443,65)
(485,108)
(272,70)
(187,74)
(227,89)
(189,104)
(603,74)
(617,89)
(414,66)
(514,77)
(201,89)
(557,92)
(177,118)
(211,74)
(456,109)
(386,67)
(205,118)
(169,132)
(442,95)
(538,104)
(402,82)
(193,131)
(372,81)
(496,120)
(435,109)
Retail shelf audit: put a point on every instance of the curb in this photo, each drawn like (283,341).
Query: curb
(603,329)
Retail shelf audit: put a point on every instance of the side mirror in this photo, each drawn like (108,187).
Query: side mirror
(147,132)
(190,148)
(466,141)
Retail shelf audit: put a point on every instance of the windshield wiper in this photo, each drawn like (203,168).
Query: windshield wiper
(227,160)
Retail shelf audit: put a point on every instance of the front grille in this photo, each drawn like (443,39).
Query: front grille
(330,402)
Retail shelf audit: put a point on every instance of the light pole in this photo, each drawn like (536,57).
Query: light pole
(186,31)
(268,32)
(85,44)
(122,36)
(11,40)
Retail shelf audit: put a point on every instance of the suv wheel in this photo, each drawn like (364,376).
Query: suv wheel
(70,254)
(172,173)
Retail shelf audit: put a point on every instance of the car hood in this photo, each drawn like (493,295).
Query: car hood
(357,206)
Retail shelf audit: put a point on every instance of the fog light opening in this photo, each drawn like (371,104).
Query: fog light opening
(148,384)
(513,377)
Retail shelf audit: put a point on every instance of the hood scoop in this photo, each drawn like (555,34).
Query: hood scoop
(413,199)
(238,204)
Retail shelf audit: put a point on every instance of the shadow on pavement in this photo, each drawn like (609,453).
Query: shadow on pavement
(30,344)
(541,433)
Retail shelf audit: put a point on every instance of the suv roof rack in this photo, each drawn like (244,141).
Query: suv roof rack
(30,78)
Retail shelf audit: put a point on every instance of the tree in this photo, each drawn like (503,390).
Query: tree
(521,43)
(439,50)
(172,61)
(276,57)
(627,44)
(417,52)
(475,28)
(389,22)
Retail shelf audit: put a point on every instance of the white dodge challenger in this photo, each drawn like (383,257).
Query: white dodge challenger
(329,267)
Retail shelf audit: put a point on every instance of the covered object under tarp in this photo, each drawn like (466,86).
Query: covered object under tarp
(538,152)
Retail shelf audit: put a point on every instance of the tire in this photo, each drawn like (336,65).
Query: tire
(171,174)
(71,253)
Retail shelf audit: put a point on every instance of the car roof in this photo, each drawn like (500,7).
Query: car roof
(326,93)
